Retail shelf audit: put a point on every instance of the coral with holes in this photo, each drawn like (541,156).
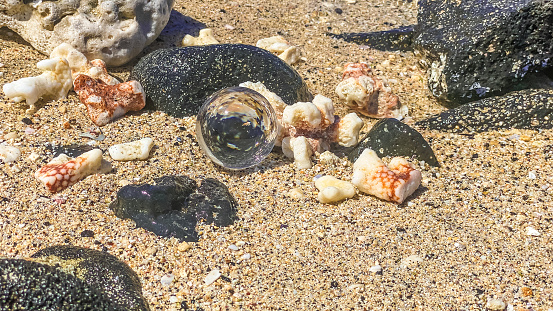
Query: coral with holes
(114,31)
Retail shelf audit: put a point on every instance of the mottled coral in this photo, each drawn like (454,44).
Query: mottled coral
(394,182)
(107,102)
(368,94)
(64,171)
(53,84)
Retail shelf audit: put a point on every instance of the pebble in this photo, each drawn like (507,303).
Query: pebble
(33,157)
(233,247)
(532,232)
(167,279)
(246,256)
(331,189)
(11,135)
(184,246)
(495,305)
(375,269)
(136,150)
(212,276)
(411,261)
(296,193)
(9,154)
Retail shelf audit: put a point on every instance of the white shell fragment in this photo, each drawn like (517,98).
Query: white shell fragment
(9,154)
(332,189)
(64,171)
(278,45)
(53,84)
(136,150)
(348,130)
(212,276)
(204,38)
(394,182)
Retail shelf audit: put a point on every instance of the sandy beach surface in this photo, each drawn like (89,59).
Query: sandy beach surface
(467,224)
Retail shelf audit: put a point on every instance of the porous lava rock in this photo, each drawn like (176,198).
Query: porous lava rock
(179,80)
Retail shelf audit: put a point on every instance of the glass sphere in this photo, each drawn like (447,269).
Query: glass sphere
(236,127)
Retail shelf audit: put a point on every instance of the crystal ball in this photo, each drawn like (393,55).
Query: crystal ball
(237,128)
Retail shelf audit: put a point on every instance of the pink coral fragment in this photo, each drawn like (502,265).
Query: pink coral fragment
(394,182)
(63,171)
(107,102)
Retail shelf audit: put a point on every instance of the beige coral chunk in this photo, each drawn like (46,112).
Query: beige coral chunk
(299,149)
(393,183)
(134,150)
(348,129)
(277,44)
(205,37)
(80,65)
(332,189)
(105,103)
(64,171)
(302,115)
(53,84)
(368,94)
(326,107)
(9,154)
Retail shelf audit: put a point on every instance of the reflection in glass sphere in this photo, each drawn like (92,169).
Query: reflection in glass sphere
(236,127)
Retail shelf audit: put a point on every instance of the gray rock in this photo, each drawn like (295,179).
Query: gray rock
(527,109)
(392,138)
(178,81)
(475,49)
(69,278)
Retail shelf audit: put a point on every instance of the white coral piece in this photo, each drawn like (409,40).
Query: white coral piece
(135,150)
(394,182)
(80,65)
(303,115)
(54,83)
(204,38)
(332,189)
(299,149)
(277,44)
(348,130)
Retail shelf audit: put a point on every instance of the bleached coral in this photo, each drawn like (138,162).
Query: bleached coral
(277,44)
(134,150)
(394,182)
(53,84)
(348,130)
(204,38)
(332,189)
(369,94)
(80,65)
(299,149)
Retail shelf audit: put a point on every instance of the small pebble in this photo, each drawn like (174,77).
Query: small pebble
(246,256)
(184,246)
(29,130)
(233,247)
(532,175)
(296,194)
(495,305)
(411,261)
(11,135)
(167,279)
(9,154)
(212,276)
(33,157)
(376,269)
(173,299)
(533,232)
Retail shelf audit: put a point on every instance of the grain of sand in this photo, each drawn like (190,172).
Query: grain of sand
(467,222)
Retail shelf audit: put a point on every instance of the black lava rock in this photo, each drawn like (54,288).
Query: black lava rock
(69,278)
(172,208)
(527,109)
(178,81)
(389,40)
(391,138)
(476,49)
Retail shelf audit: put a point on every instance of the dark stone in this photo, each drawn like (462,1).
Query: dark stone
(69,278)
(118,283)
(172,207)
(87,234)
(28,285)
(178,81)
(527,109)
(389,40)
(476,49)
(392,138)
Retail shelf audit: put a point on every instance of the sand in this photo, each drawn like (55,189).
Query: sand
(467,223)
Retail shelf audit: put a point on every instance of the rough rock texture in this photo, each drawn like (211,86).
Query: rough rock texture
(113,278)
(114,31)
(391,138)
(66,277)
(178,81)
(389,40)
(476,49)
(173,207)
(527,109)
